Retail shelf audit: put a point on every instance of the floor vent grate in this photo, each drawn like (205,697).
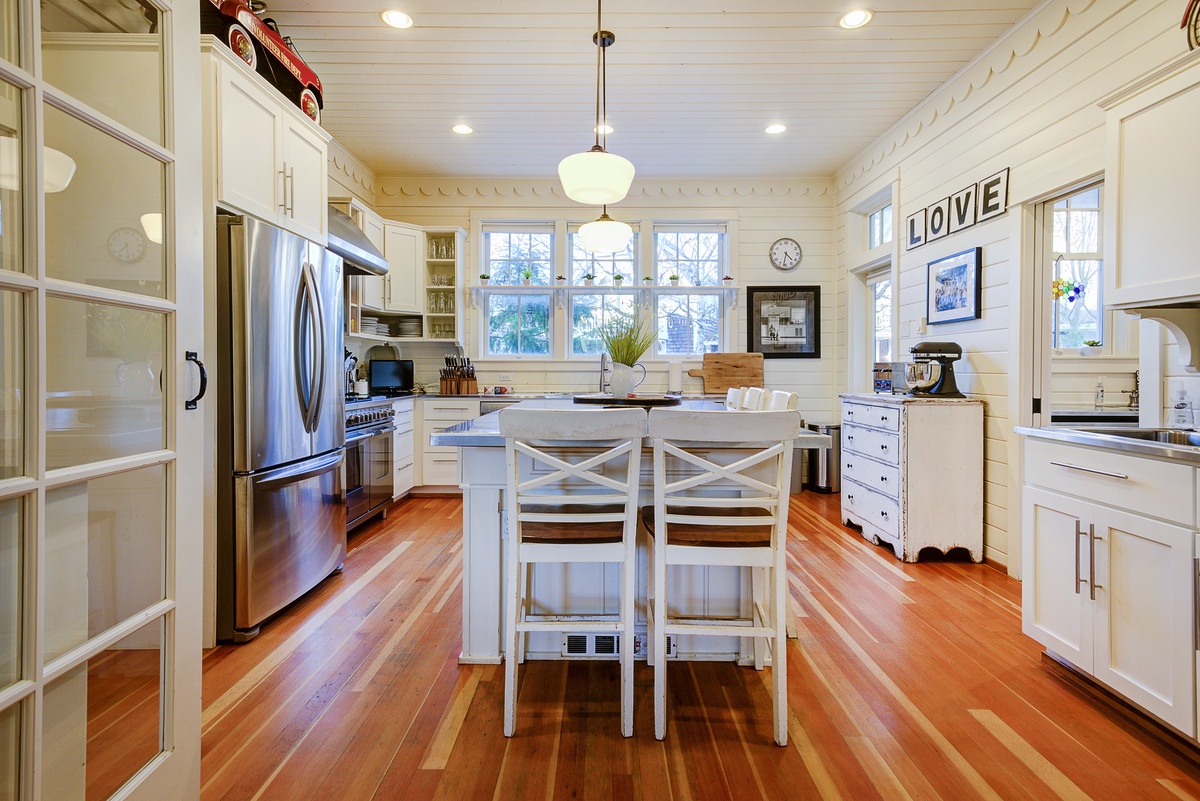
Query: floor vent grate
(591,645)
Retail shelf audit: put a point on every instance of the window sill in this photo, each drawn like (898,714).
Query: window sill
(562,289)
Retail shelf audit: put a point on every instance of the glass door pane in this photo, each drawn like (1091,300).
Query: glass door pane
(11,525)
(11,171)
(12,385)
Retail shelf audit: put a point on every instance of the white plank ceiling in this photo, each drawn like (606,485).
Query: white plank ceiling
(691,83)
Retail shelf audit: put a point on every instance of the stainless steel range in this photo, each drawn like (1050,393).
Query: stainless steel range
(369,459)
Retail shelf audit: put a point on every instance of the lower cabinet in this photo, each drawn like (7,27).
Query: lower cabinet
(439,463)
(402,448)
(1110,590)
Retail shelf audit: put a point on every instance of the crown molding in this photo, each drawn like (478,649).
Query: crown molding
(358,174)
(940,109)
(550,191)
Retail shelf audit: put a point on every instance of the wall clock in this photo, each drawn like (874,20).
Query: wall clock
(126,245)
(1191,21)
(785,254)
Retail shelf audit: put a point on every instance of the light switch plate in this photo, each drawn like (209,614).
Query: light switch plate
(506,376)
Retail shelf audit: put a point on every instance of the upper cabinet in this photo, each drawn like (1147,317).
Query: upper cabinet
(270,160)
(1151,178)
(403,285)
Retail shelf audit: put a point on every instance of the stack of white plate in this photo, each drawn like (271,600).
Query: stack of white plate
(408,327)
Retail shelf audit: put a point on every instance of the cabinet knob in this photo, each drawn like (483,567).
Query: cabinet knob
(883,479)
(883,447)
(884,515)
(850,498)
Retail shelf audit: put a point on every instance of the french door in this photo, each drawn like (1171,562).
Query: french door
(99,549)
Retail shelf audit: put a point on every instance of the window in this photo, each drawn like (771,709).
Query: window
(518,320)
(879,227)
(1077,270)
(881,292)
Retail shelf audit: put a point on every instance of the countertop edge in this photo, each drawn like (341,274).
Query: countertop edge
(1152,450)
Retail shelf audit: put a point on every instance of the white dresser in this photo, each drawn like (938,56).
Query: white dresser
(912,472)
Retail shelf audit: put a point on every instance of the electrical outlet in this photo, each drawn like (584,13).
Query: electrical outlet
(506,376)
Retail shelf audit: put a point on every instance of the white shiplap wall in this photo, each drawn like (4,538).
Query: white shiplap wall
(1029,104)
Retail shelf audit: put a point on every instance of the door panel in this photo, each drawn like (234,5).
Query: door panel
(1055,609)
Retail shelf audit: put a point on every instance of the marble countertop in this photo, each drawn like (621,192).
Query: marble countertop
(1097,438)
(484,432)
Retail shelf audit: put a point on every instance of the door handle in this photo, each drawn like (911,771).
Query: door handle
(283,181)
(1078,579)
(1070,466)
(317,309)
(290,197)
(1092,559)
(192,356)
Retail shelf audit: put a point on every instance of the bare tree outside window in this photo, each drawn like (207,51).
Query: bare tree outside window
(1078,261)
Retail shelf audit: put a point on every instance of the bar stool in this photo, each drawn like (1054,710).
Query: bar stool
(720,498)
(778,401)
(753,398)
(573,477)
(733,397)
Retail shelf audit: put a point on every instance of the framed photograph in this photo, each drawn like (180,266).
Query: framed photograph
(784,322)
(953,289)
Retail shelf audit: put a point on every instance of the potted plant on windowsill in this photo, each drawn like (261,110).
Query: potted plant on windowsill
(618,279)
(560,279)
(625,338)
(674,279)
(484,278)
(589,279)
(727,280)
(526,276)
(647,280)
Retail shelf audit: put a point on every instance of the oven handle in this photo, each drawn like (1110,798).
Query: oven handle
(297,473)
(358,436)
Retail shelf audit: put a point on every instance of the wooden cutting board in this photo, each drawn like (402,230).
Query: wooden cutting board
(724,370)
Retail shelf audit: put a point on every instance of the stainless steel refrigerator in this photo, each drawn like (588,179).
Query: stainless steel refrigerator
(280,421)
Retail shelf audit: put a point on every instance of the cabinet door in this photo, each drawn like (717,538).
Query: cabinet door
(1144,614)
(1055,606)
(248,155)
(402,245)
(306,192)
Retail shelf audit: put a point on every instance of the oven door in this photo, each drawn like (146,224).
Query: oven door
(369,471)
(382,466)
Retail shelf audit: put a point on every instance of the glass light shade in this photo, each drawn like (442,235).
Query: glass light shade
(605,235)
(152,225)
(59,167)
(596,177)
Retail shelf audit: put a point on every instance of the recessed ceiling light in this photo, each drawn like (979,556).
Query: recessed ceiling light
(603,128)
(397,18)
(775,129)
(857,18)
(462,129)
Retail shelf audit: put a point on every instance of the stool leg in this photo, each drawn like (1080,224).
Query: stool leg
(515,602)
(628,589)
(779,651)
(758,596)
(660,641)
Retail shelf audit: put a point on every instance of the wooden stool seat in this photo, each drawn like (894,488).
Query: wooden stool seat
(706,535)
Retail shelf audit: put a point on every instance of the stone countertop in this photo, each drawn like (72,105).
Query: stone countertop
(1096,438)
(889,398)
(484,432)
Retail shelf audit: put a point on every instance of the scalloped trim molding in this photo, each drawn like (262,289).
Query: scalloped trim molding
(358,174)
(935,112)
(465,188)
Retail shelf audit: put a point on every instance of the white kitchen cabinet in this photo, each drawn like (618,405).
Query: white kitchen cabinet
(270,158)
(404,285)
(912,472)
(1150,178)
(439,463)
(1109,590)
(402,447)
(444,283)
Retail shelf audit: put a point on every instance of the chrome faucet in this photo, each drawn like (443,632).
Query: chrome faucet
(604,385)
(1134,395)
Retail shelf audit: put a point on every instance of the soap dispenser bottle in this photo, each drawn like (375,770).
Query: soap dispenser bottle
(1181,411)
(1099,393)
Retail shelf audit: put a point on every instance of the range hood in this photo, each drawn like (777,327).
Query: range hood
(346,240)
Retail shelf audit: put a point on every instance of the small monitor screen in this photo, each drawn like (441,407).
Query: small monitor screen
(390,376)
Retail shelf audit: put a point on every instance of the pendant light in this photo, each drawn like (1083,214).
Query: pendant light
(605,235)
(597,177)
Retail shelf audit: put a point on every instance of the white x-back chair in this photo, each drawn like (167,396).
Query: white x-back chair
(733,397)
(720,498)
(573,478)
(753,398)
(778,401)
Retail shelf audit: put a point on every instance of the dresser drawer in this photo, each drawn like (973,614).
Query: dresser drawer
(870,507)
(881,445)
(878,476)
(448,409)
(1147,486)
(885,417)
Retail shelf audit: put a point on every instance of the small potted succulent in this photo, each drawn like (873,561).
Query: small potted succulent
(560,279)
(727,280)
(589,279)
(618,279)
(647,279)
(674,279)
(526,276)
(484,278)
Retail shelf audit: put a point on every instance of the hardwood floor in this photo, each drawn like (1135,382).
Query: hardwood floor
(907,681)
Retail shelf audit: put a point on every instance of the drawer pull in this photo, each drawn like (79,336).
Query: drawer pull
(884,515)
(883,418)
(850,498)
(849,465)
(849,412)
(849,438)
(883,447)
(883,479)
(1070,466)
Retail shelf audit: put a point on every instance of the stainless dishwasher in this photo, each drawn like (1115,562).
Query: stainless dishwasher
(495,405)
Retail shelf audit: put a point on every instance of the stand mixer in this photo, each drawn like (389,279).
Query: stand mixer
(931,372)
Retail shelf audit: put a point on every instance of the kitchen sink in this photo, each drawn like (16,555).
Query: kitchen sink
(1165,436)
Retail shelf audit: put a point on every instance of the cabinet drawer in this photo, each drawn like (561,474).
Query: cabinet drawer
(405,479)
(444,409)
(402,447)
(437,427)
(439,468)
(878,510)
(1147,486)
(404,424)
(885,417)
(878,476)
(881,445)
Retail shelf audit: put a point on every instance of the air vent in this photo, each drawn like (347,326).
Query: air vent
(601,645)
(641,642)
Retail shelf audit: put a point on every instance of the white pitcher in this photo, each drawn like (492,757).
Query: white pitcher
(622,379)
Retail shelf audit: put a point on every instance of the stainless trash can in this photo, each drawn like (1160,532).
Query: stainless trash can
(825,465)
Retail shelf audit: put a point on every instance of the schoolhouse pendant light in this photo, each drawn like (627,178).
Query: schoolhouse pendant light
(605,235)
(597,177)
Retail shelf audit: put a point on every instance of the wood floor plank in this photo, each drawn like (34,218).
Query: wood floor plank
(905,681)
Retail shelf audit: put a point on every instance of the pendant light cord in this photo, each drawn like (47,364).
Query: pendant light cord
(601,67)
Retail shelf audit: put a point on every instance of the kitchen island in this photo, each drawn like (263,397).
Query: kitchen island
(569,589)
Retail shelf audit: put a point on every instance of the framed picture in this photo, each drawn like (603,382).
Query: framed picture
(784,322)
(953,289)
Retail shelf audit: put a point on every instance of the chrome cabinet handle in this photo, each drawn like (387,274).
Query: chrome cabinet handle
(283,176)
(1092,559)
(1078,579)
(1070,466)
(291,179)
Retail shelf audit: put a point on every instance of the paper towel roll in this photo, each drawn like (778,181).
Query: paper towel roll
(675,377)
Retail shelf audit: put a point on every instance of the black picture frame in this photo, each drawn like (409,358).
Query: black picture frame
(954,287)
(784,322)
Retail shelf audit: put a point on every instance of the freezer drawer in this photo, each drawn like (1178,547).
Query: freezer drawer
(290,534)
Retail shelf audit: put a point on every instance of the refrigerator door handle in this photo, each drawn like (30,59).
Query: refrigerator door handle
(293,474)
(300,350)
(317,310)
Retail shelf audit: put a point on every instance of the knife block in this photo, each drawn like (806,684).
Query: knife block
(468,386)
